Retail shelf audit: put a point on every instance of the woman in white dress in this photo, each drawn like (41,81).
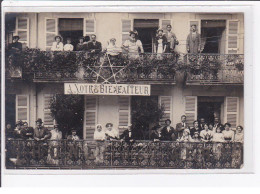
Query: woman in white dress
(54,143)
(160,42)
(57,45)
(99,137)
(228,133)
(133,45)
(111,134)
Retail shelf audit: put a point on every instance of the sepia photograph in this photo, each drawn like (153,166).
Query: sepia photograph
(124,90)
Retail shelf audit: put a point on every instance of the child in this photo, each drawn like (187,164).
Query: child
(99,136)
(68,46)
(186,136)
(196,137)
(206,134)
(239,136)
(218,136)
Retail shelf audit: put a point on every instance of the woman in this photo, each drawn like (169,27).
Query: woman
(54,143)
(133,45)
(112,49)
(111,134)
(206,134)
(239,136)
(160,42)
(228,133)
(80,46)
(57,45)
(186,136)
(99,137)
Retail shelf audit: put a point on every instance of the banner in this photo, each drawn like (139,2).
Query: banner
(107,89)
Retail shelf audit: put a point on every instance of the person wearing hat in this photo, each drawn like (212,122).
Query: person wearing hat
(181,126)
(193,43)
(18,129)
(57,45)
(41,133)
(80,46)
(112,49)
(68,46)
(27,132)
(127,135)
(111,134)
(168,133)
(171,39)
(133,45)
(160,42)
(16,45)
(93,46)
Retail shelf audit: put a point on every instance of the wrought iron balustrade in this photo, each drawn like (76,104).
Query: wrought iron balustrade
(80,66)
(80,154)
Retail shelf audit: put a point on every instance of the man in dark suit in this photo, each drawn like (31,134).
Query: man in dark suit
(217,124)
(127,135)
(27,132)
(168,133)
(181,126)
(202,123)
(93,46)
(41,133)
(195,128)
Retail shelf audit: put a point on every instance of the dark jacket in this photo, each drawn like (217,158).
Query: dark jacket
(27,133)
(168,136)
(193,130)
(125,135)
(16,45)
(41,133)
(91,46)
(180,129)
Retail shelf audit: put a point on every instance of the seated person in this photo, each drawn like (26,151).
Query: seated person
(168,133)
(57,45)
(218,135)
(93,46)
(239,136)
(111,134)
(16,45)
(206,134)
(73,136)
(112,49)
(127,135)
(156,133)
(186,136)
(68,46)
(27,132)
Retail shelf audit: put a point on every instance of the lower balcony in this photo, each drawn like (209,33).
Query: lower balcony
(82,154)
(46,66)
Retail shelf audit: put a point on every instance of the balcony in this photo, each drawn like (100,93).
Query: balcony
(64,154)
(46,66)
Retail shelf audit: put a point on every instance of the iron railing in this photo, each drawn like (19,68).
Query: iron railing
(46,66)
(64,154)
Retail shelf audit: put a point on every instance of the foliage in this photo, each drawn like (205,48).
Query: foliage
(68,112)
(145,112)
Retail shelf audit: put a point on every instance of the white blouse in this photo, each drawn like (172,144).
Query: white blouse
(113,133)
(57,47)
(99,135)
(68,47)
(133,46)
(228,134)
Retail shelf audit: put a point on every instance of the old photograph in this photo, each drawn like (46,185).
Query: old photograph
(124,90)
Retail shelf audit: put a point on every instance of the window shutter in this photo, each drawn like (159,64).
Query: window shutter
(232,36)
(231,110)
(127,26)
(164,23)
(124,113)
(90,116)
(196,22)
(51,30)
(22,30)
(47,117)
(22,108)
(89,27)
(191,109)
(166,102)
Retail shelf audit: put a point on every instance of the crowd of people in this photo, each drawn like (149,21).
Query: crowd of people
(165,42)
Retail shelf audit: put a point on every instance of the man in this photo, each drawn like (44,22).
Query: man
(171,40)
(168,133)
(93,46)
(193,43)
(216,124)
(202,123)
(127,135)
(41,133)
(18,129)
(27,132)
(16,45)
(73,136)
(181,126)
(195,129)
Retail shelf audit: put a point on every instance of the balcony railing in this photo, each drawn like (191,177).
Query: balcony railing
(42,66)
(64,154)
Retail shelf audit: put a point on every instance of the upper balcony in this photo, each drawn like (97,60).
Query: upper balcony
(150,68)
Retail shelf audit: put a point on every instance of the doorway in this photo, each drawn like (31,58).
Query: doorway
(210,107)
(71,28)
(147,29)
(213,34)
